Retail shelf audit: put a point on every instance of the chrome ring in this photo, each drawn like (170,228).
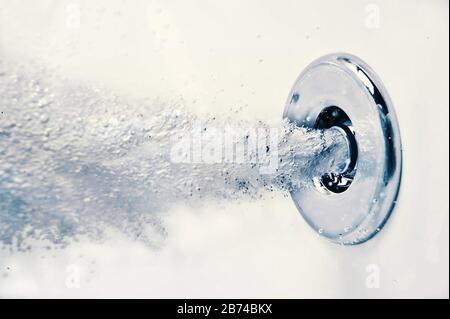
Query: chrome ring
(340,90)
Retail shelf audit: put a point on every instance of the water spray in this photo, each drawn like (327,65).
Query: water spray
(77,159)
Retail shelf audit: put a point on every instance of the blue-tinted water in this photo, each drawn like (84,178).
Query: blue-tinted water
(76,159)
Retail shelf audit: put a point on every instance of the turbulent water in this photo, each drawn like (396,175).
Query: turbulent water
(76,159)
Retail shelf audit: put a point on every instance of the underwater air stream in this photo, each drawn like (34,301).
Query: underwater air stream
(78,159)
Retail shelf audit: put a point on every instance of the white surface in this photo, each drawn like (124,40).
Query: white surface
(237,53)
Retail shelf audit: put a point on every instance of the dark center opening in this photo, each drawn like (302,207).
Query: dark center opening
(334,116)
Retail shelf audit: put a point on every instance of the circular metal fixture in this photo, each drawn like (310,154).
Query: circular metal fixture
(342,92)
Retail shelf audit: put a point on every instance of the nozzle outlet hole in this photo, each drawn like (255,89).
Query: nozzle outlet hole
(333,116)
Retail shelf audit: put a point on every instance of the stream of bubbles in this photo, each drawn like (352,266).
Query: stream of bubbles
(76,159)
